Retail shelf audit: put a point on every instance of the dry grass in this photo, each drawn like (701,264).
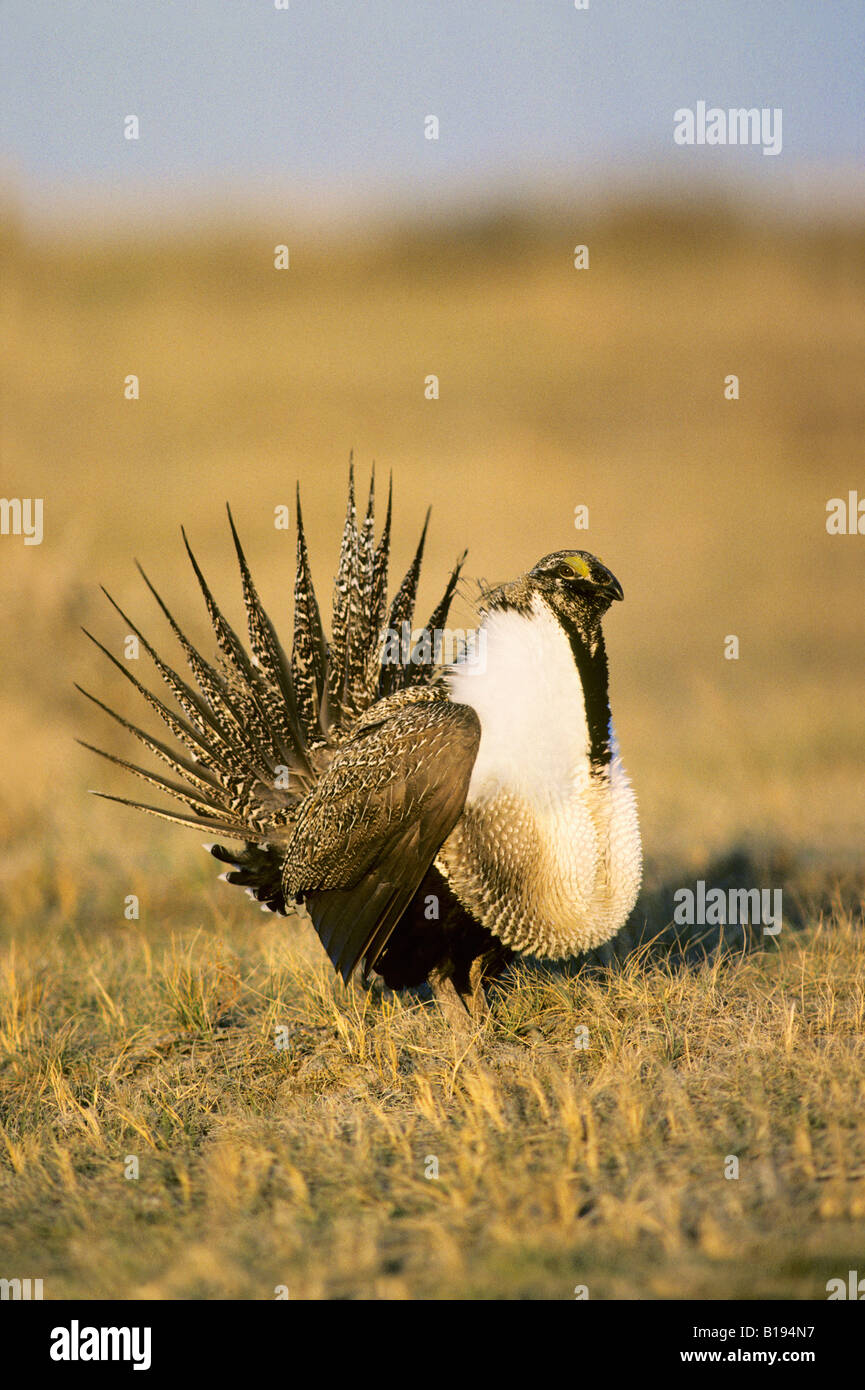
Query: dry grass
(305,1165)
(156,1038)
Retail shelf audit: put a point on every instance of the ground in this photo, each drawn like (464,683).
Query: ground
(286,1129)
(292,1134)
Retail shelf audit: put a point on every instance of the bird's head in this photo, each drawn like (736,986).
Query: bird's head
(579,590)
(576,580)
(577,587)
(573,583)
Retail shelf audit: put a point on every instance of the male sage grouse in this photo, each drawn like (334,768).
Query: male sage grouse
(433,819)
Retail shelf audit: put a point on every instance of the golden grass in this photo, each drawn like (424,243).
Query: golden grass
(156,1038)
(306,1165)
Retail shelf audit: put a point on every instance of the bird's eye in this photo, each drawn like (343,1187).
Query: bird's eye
(565,572)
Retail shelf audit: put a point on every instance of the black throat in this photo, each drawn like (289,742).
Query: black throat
(586,639)
(591,662)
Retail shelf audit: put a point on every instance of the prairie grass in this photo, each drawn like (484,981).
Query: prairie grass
(286,1130)
(284,1126)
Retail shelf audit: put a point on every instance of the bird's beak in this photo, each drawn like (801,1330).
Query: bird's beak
(607,584)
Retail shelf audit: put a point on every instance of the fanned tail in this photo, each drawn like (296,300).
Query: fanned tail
(257,728)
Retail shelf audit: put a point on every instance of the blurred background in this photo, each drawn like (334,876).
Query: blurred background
(409,257)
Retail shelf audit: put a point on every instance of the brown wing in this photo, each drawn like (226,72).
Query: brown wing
(369,831)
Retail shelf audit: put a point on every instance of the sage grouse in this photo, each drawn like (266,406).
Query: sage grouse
(433,819)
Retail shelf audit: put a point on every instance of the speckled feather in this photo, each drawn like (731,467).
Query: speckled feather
(502,789)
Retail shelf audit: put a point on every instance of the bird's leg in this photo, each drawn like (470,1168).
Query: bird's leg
(451,1002)
(458,985)
(460,993)
(476,999)
(483,969)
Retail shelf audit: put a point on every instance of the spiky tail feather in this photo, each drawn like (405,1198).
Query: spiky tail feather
(259,730)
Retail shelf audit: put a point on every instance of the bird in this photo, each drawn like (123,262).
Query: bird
(435,820)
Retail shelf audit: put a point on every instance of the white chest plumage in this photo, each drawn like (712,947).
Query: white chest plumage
(546,854)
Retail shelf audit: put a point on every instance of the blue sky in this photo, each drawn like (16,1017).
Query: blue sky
(328,98)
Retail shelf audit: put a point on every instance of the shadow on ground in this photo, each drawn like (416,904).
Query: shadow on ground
(810,890)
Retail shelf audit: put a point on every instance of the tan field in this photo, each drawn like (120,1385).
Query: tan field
(304,1167)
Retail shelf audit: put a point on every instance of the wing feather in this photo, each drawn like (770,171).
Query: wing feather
(366,836)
